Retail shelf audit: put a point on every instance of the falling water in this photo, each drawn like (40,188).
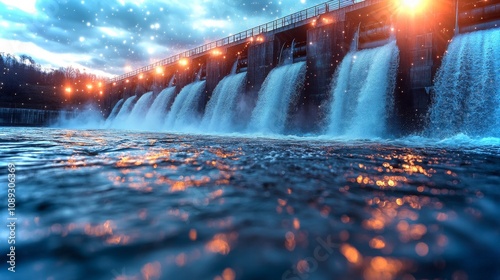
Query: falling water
(124,112)
(172,81)
(362,92)
(278,93)
(467,87)
(137,116)
(198,74)
(220,113)
(159,108)
(286,55)
(114,112)
(184,114)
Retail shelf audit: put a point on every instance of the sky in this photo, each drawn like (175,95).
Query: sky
(113,37)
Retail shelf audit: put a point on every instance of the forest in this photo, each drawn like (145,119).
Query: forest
(26,84)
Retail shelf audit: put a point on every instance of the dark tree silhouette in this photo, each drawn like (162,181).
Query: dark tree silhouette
(25,84)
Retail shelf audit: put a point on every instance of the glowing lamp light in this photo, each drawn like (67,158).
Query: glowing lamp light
(68,90)
(327,20)
(127,81)
(100,84)
(159,70)
(183,62)
(89,86)
(216,52)
(141,76)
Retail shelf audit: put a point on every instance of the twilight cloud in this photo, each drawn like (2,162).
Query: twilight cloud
(111,37)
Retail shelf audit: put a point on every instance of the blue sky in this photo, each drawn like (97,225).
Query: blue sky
(115,36)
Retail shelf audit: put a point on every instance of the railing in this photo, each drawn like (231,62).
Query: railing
(289,20)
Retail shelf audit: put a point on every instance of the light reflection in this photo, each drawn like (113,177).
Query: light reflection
(227,274)
(377,242)
(290,241)
(422,249)
(100,230)
(220,243)
(118,240)
(383,268)
(151,271)
(192,234)
(351,254)
(140,180)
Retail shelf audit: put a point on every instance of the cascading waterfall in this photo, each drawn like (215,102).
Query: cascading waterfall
(467,87)
(220,113)
(137,115)
(124,112)
(362,93)
(114,112)
(278,93)
(184,114)
(159,108)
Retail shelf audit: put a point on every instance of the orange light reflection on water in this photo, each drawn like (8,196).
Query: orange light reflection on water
(166,159)
(221,243)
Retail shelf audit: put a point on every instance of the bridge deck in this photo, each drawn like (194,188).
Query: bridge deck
(282,24)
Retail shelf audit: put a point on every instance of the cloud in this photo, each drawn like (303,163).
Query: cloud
(107,36)
(27,6)
(46,58)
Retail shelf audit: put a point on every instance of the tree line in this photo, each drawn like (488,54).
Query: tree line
(25,83)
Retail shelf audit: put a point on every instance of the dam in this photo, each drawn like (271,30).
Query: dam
(323,70)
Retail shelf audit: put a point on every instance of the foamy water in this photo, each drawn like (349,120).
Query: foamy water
(100,204)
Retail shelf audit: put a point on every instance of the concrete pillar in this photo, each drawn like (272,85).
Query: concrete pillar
(326,47)
(185,75)
(422,40)
(218,67)
(261,60)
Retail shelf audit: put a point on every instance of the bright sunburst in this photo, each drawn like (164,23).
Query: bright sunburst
(412,5)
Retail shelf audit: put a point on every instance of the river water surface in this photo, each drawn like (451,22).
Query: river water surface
(95,204)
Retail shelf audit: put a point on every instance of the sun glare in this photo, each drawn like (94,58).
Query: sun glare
(412,5)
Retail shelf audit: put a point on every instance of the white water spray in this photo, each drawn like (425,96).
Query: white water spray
(184,114)
(135,119)
(362,93)
(467,87)
(120,120)
(114,112)
(278,93)
(220,113)
(158,110)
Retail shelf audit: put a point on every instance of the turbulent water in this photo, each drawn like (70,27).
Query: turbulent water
(362,93)
(467,88)
(96,204)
